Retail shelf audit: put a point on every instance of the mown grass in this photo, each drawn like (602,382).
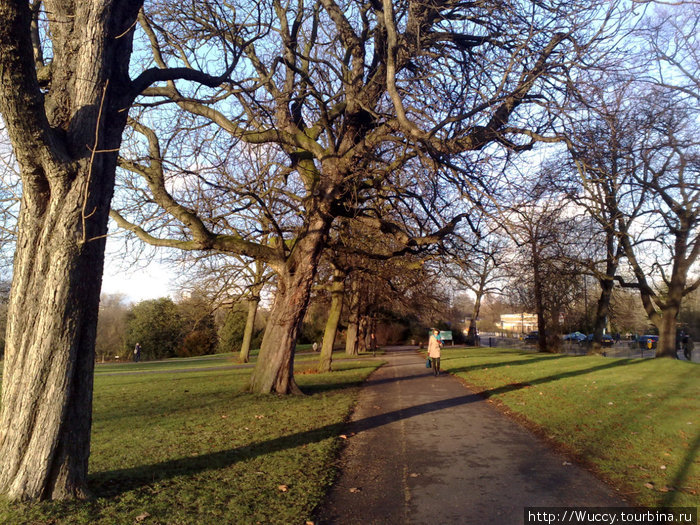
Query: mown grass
(635,422)
(224,360)
(191,448)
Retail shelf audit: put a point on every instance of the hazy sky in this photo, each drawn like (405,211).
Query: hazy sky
(147,279)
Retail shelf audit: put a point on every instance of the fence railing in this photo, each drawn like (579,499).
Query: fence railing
(621,349)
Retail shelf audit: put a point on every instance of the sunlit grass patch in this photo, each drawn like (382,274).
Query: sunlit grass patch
(190,447)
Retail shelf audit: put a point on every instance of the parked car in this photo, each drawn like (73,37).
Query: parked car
(606,341)
(576,337)
(532,337)
(643,341)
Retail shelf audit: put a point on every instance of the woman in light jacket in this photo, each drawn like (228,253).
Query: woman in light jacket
(434,345)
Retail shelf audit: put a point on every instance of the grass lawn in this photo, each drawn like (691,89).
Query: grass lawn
(188,447)
(635,422)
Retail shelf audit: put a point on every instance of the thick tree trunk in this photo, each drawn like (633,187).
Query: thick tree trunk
(601,316)
(553,338)
(66,140)
(52,321)
(666,346)
(48,376)
(362,329)
(351,341)
(337,292)
(274,370)
(253,303)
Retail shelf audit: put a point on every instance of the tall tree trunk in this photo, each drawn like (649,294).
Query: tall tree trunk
(362,328)
(337,292)
(48,377)
(607,283)
(553,338)
(274,370)
(472,334)
(539,301)
(351,339)
(66,140)
(666,346)
(601,315)
(253,303)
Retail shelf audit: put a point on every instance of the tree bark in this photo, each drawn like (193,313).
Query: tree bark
(601,315)
(337,292)
(351,340)
(539,299)
(47,388)
(253,303)
(666,346)
(472,334)
(362,328)
(274,370)
(66,141)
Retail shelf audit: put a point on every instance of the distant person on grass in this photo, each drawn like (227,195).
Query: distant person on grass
(137,353)
(434,346)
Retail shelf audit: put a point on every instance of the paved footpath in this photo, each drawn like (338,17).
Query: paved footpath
(425,450)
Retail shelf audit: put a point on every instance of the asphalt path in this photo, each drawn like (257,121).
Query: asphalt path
(425,450)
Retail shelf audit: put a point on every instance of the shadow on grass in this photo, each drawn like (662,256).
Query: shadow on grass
(528,361)
(112,483)
(681,476)
(564,375)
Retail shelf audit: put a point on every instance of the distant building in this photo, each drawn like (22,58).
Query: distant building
(518,323)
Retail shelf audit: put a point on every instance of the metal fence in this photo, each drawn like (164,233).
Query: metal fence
(622,349)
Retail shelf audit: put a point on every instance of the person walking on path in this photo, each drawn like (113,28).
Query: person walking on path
(434,346)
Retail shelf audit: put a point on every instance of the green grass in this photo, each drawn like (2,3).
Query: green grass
(635,422)
(224,360)
(191,448)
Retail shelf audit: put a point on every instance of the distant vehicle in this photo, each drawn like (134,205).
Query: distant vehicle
(532,337)
(575,336)
(643,341)
(606,341)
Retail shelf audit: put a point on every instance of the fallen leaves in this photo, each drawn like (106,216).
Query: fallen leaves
(283,488)
(355,490)
(141,517)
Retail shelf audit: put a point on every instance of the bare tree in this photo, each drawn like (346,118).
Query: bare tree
(475,267)
(111,326)
(544,270)
(663,254)
(349,93)
(596,174)
(65,91)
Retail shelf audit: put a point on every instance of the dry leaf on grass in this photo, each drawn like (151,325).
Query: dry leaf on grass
(142,517)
